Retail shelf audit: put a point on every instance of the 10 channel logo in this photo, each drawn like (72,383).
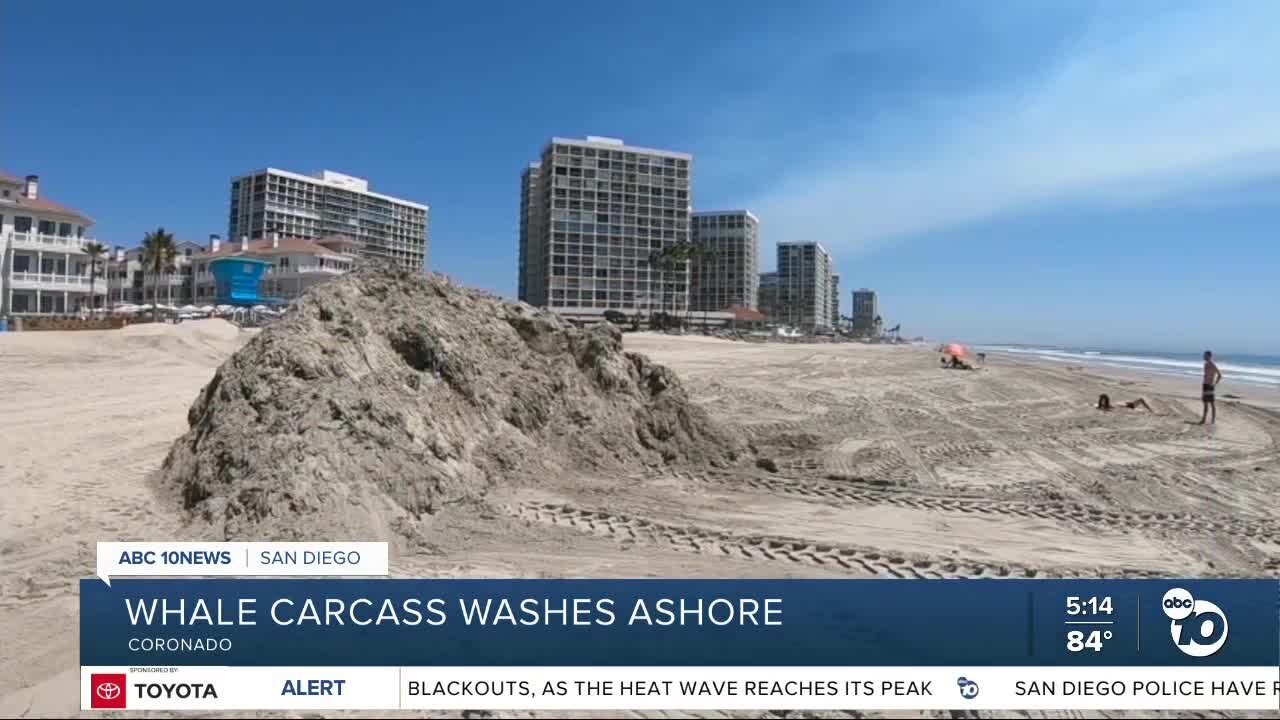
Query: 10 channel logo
(1199,627)
(968,688)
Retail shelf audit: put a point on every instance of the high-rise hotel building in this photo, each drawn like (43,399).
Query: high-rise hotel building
(767,296)
(328,204)
(528,224)
(804,285)
(593,213)
(834,292)
(726,272)
(865,310)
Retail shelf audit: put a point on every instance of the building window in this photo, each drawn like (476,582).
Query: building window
(22,224)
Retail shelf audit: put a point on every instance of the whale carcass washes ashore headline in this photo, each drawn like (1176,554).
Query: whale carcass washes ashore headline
(410,612)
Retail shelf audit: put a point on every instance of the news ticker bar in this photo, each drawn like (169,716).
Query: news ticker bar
(204,689)
(236,622)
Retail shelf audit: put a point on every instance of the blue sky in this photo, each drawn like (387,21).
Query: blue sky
(1086,174)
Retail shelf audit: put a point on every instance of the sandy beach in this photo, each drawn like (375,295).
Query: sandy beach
(885,466)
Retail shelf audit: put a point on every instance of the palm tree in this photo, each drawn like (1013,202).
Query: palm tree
(671,258)
(700,254)
(96,251)
(158,254)
(688,254)
(661,260)
(169,270)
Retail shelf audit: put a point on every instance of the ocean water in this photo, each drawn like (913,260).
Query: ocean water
(1251,369)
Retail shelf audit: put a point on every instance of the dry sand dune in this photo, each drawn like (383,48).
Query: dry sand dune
(345,419)
(886,466)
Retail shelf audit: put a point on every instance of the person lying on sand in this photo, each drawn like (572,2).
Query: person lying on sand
(955,363)
(1104,404)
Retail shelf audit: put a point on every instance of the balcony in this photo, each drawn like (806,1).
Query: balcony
(51,281)
(48,243)
(310,269)
(290,272)
(293,210)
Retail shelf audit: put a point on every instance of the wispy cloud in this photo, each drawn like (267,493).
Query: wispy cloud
(1134,107)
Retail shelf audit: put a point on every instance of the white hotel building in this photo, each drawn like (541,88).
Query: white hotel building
(293,205)
(44,269)
(591,214)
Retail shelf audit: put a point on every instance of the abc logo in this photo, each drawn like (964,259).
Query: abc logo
(968,688)
(1198,627)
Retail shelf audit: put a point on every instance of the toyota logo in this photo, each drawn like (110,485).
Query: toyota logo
(108,691)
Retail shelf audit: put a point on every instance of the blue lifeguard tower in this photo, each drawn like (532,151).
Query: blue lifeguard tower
(237,280)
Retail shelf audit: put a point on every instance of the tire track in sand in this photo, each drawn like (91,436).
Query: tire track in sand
(834,556)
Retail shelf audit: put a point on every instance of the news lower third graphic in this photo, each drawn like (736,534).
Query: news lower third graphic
(238,559)
(326,641)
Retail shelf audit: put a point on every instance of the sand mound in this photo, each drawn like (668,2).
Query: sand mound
(385,395)
(212,329)
(196,341)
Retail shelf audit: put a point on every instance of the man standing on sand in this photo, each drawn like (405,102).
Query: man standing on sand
(1212,376)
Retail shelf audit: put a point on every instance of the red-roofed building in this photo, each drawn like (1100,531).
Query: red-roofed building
(296,263)
(44,263)
(129,282)
(746,315)
(745,318)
